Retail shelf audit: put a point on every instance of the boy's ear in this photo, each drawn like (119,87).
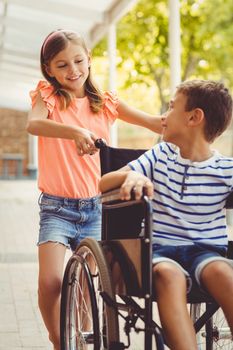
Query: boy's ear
(196,117)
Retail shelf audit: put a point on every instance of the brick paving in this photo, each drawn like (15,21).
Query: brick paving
(21,326)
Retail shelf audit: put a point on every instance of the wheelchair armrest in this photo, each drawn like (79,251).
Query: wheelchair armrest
(110,196)
(113,198)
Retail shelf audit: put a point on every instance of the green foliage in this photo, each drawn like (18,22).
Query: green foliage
(206,38)
(144,50)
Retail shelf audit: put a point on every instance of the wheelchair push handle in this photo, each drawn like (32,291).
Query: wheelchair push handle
(100,143)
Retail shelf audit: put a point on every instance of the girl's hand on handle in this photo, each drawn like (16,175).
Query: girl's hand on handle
(85,142)
(136,182)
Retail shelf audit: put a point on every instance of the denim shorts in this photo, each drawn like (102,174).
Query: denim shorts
(191,259)
(68,221)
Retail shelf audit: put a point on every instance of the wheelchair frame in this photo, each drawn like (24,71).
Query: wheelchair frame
(94,274)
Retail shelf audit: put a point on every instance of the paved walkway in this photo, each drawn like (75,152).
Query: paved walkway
(21,326)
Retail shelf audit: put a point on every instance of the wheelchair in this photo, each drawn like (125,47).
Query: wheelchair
(109,283)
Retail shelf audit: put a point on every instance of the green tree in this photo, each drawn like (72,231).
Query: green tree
(206,39)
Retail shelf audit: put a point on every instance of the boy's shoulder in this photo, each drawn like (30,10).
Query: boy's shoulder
(172,151)
(165,148)
(219,158)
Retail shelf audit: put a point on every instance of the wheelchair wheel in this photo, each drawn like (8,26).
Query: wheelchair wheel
(216,334)
(86,321)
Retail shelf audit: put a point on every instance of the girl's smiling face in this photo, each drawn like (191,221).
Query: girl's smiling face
(70,67)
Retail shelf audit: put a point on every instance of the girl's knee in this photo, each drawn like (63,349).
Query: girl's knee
(49,286)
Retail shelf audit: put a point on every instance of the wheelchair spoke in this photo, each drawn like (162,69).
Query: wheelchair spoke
(86,322)
(216,334)
(83,309)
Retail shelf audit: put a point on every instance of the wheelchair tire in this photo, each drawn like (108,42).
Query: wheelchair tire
(86,321)
(216,334)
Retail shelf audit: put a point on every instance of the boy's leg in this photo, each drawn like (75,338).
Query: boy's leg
(170,286)
(51,261)
(217,277)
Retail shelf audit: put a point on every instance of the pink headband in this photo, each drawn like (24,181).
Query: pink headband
(53,35)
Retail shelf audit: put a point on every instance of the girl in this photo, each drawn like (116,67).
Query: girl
(68,114)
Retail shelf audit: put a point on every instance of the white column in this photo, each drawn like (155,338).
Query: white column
(174,44)
(33,150)
(112,74)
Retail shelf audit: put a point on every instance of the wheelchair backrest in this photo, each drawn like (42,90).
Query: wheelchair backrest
(112,159)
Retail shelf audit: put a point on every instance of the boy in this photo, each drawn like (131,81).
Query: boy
(188,183)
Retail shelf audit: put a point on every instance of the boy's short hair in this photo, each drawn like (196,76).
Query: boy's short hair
(215,101)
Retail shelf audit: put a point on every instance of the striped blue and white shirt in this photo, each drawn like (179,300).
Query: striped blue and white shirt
(189,197)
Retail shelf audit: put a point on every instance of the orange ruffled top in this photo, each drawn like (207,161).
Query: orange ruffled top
(61,172)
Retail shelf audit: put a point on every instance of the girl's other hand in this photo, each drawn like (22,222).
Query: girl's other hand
(85,142)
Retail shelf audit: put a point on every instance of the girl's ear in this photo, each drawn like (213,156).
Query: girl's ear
(196,117)
(48,71)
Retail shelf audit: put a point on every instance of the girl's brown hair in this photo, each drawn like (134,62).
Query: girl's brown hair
(53,44)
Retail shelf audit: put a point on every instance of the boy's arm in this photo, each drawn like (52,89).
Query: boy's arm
(127,180)
(134,116)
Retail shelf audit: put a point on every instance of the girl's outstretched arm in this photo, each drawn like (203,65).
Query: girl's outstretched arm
(135,116)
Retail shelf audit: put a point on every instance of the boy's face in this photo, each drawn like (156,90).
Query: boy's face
(175,120)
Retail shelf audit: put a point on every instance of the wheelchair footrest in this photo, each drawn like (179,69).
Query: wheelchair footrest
(116,346)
